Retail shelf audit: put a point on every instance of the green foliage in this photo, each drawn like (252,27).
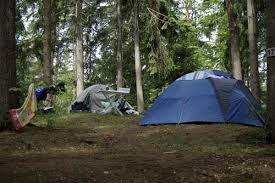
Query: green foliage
(64,99)
(214,26)
(170,45)
(169,48)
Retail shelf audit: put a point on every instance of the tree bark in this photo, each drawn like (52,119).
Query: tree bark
(79,50)
(7,57)
(253,51)
(270,22)
(47,38)
(186,9)
(139,88)
(119,45)
(56,44)
(234,39)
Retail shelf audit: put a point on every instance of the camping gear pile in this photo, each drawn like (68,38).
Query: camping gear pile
(209,96)
(46,95)
(92,99)
(22,116)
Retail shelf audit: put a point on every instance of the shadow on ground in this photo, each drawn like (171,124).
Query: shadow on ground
(95,148)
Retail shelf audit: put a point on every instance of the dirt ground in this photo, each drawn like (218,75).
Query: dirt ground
(93,148)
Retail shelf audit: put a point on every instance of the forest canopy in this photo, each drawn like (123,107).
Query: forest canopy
(171,43)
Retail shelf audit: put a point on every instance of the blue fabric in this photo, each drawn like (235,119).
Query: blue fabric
(222,73)
(223,88)
(205,74)
(185,101)
(41,93)
(209,100)
(243,108)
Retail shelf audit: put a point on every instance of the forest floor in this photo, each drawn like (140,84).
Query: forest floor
(94,148)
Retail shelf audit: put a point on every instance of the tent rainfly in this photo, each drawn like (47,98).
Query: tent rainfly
(209,96)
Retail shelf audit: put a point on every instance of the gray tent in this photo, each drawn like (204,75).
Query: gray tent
(92,100)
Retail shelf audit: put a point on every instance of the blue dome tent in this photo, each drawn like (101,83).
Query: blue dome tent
(209,96)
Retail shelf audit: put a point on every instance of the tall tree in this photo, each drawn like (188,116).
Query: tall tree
(7,56)
(234,39)
(119,45)
(140,100)
(79,50)
(253,51)
(270,13)
(47,39)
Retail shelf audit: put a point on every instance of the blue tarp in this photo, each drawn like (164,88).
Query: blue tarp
(207,100)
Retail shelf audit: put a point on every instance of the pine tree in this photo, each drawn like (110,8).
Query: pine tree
(253,51)
(234,39)
(271,67)
(47,39)
(139,88)
(79,50)
(119,45)
(7,56)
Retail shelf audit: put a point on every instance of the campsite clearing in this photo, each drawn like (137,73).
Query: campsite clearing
(95,148)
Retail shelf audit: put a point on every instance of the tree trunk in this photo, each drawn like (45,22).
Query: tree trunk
(253,51)
(140,101)
(234,39)
(7,57)
(270,17)
(119,45)
(79,50)
(186,9)
(47,58)
(55,35)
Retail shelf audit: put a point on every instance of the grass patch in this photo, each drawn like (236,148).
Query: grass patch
(227,139)
(168,140)
(162,140)
(234,148)
(85,120)
(85,130)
